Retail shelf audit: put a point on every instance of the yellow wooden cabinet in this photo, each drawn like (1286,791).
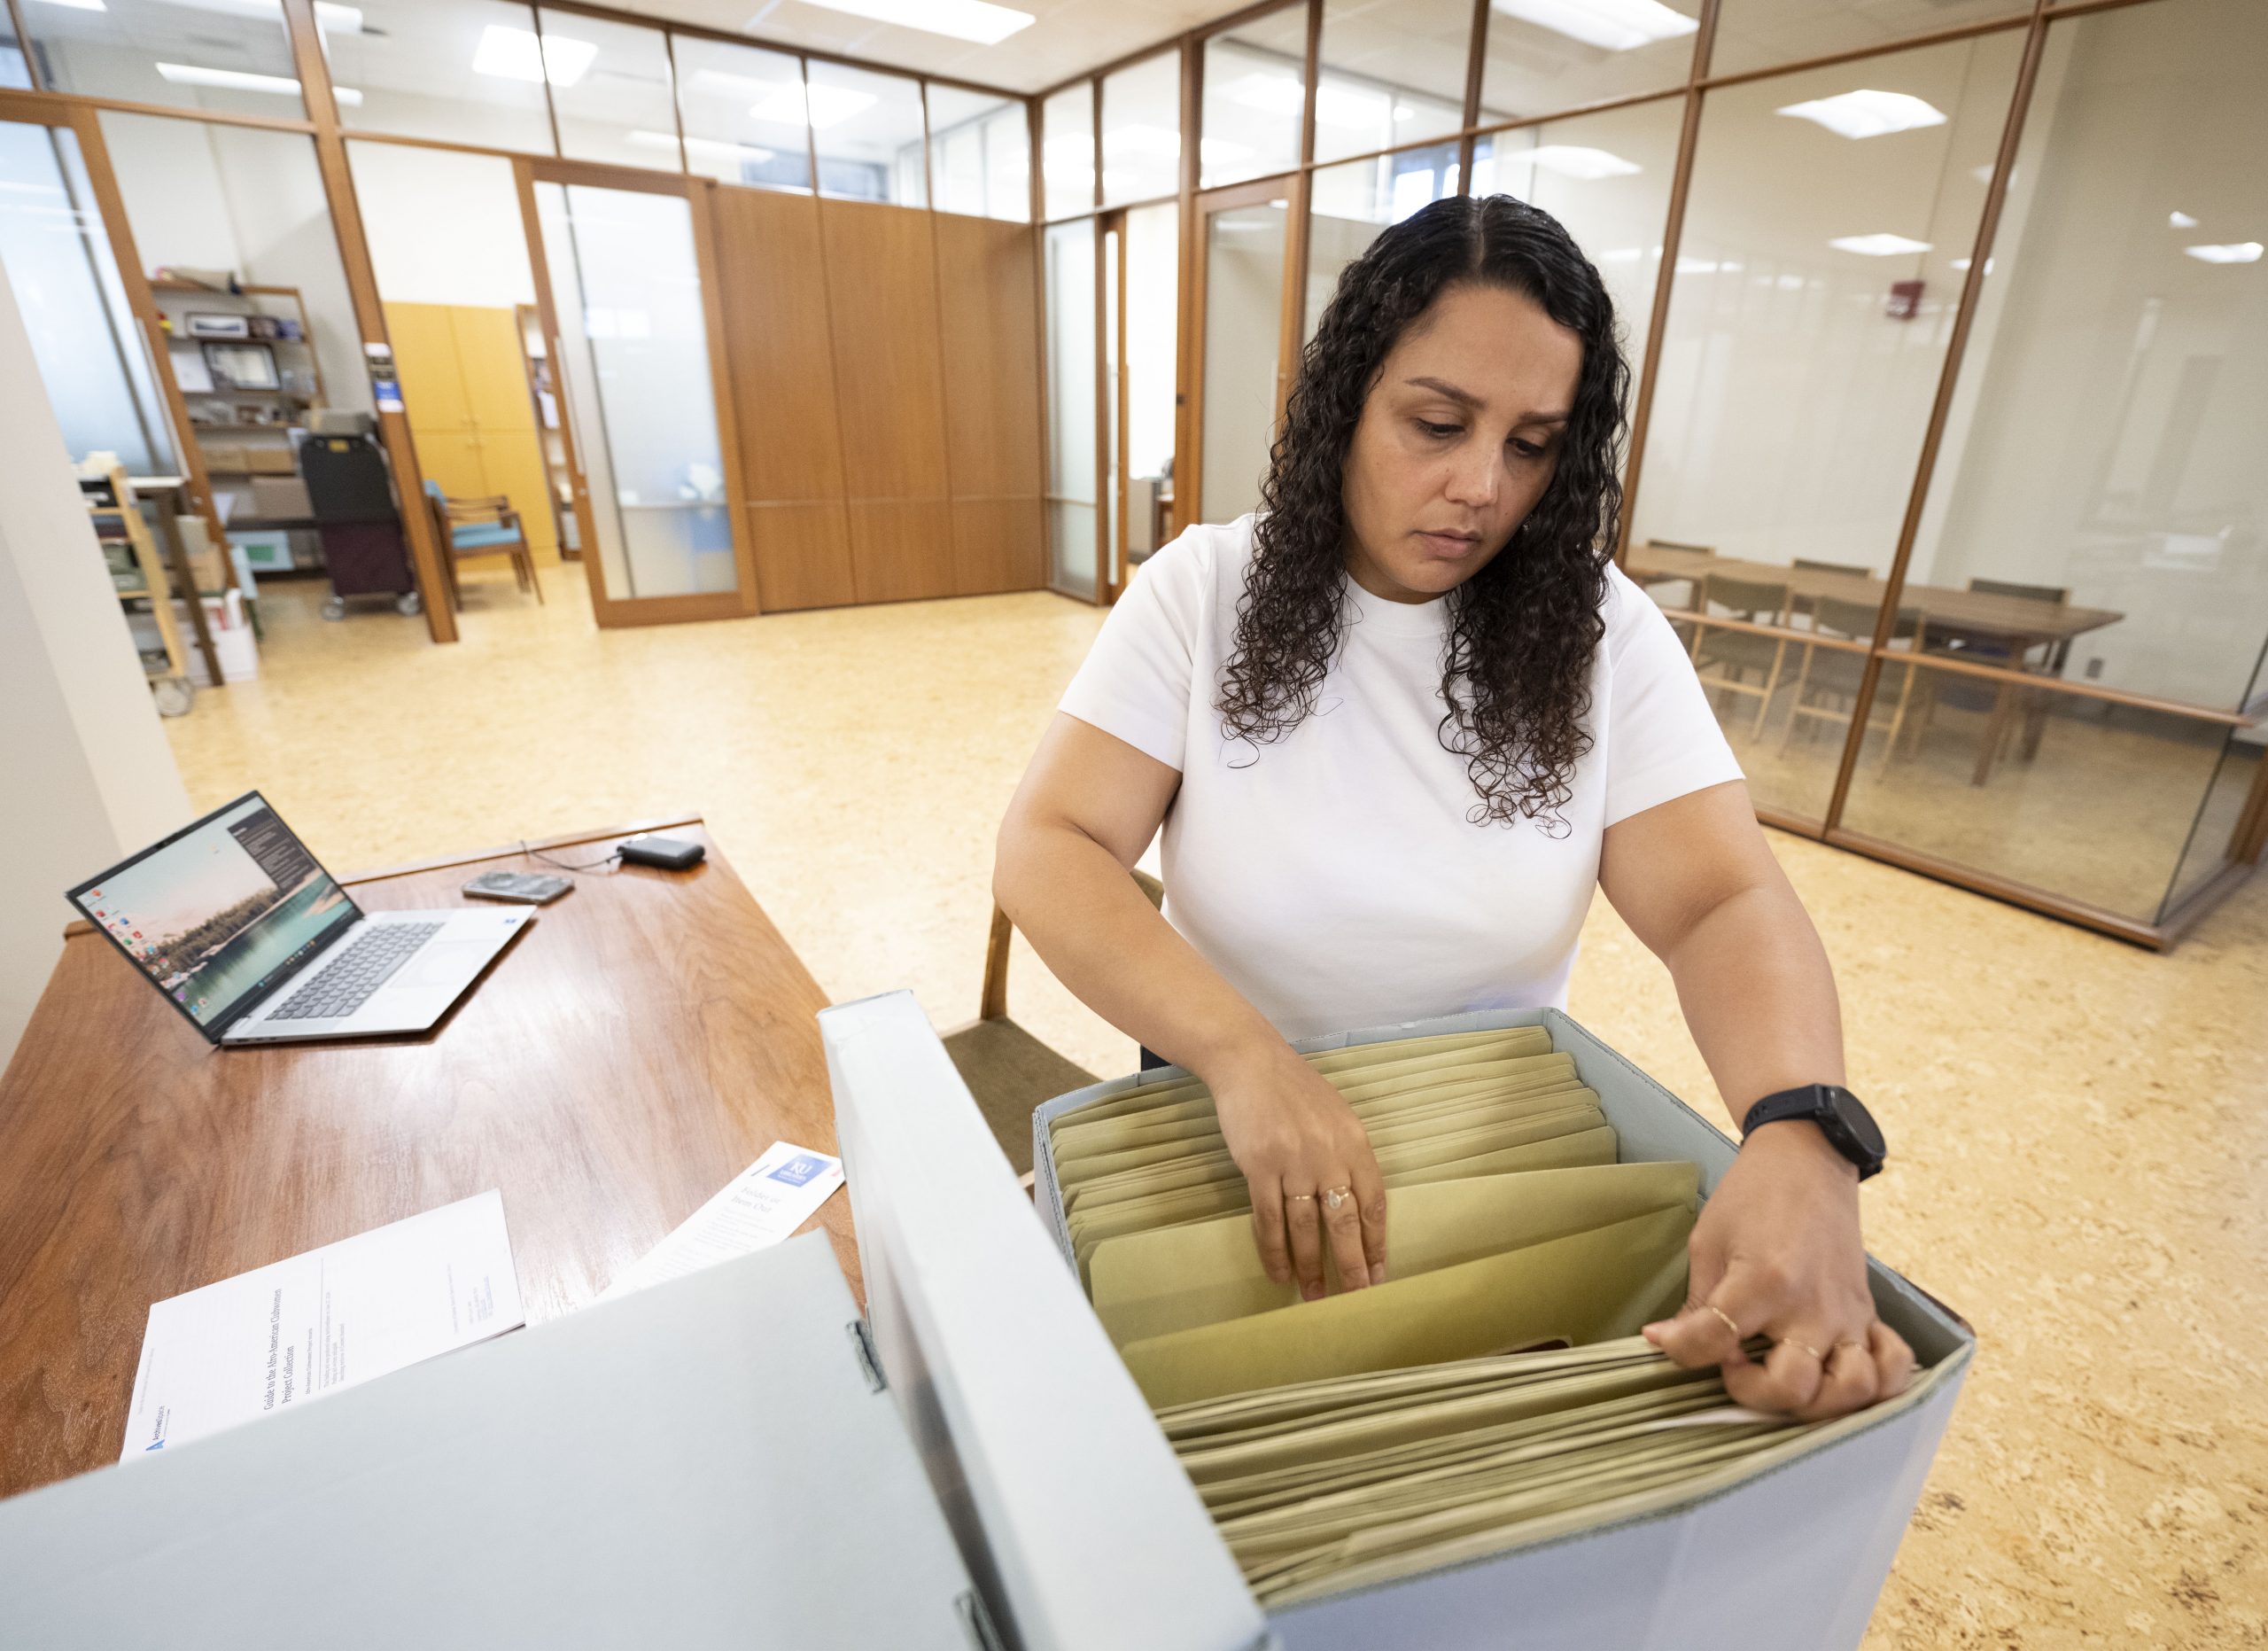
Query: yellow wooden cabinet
(465,385)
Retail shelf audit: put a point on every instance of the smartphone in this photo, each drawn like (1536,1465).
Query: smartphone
(532,888)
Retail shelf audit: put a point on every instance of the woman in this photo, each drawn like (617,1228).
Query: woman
(1397,727)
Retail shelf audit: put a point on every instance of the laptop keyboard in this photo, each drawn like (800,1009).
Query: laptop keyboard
(345,983)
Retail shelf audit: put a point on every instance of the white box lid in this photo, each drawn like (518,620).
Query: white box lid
(703,1464)
(1075,1517)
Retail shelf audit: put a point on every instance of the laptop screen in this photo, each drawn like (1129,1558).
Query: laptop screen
(217,911)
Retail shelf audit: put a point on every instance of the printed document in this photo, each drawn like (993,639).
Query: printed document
(758,1207)
(285,1334)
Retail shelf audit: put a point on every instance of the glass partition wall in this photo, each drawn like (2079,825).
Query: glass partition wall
(1948,328)
(1940,486)
(617,441)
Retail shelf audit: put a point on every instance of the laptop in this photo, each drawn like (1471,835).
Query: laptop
(245,933)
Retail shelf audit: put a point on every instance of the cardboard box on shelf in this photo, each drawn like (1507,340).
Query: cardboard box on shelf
(280,498)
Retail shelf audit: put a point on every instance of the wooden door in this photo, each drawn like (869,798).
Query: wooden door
(890,386)
(778,342)
(627,283)
(988,295)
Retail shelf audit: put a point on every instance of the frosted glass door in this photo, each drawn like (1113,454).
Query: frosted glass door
(625,288)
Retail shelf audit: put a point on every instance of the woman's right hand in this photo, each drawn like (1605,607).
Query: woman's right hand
(1299,1143)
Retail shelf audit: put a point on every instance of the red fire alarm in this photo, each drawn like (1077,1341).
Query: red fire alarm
(1904,301)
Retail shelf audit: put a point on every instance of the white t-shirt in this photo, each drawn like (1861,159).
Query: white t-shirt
(1333,876)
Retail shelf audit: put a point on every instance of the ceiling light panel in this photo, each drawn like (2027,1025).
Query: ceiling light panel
(1879,245)
(1610,25)
(2230,252)
(515,54)
(1869,113)
(976,20)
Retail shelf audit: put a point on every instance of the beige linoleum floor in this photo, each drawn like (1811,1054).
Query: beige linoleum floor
(2080,1127)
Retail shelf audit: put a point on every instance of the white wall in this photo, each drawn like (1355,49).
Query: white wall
(2115,394)
(90,777)
(1790,407)
(443,228)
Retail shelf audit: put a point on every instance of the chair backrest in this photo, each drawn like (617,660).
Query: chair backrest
(1832,567)
(1747,597)
(433,491)
(992,1003)
(2003,587)
(1839,618)
(1672,544)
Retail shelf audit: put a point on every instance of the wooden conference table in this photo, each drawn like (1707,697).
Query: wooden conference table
(2016,624)
(640,1043)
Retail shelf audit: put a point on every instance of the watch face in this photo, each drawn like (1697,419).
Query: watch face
(1857,1122)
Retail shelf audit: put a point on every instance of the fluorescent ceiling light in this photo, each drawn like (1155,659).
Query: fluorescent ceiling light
(78,5)
(715,146)
(1344,105)
(1962,264)
(346,97)
(1574,160)
(727,85)
(829,105)
(2235,253)
(979,20)
(1878,245)
(513,54)
(1611,24)
(1869,113)
(2181,221)
(1277,94)
(233,80)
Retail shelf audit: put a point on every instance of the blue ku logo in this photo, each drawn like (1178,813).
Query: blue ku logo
(799,1170)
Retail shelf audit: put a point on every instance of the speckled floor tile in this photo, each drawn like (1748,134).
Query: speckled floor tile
(2080,1127)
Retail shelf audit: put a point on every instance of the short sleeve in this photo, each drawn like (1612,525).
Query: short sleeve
(1662,738)
(1137,680)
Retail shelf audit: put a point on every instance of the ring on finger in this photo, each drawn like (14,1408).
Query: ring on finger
(1726,1319)
(1296,1198)
(1790,1340)
(1336,1198)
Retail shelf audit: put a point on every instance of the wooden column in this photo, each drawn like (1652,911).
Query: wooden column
(369,314)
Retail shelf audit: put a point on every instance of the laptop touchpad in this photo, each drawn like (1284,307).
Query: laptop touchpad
(443,963)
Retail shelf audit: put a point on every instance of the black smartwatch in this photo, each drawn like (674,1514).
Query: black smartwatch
(1849,1127)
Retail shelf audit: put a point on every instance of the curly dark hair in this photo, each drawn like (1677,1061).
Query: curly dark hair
(1516,672)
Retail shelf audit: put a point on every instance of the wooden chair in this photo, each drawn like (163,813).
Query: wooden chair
(1008,1070)
(1693,590)
(1836,673)
(1736,654)
(477,527)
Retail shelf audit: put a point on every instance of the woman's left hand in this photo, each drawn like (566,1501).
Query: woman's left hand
(1777,1253)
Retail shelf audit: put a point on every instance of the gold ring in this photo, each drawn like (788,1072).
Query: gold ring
(1296,1198)
(1790,1340)
(1335,1196)
(1848,1341)
(1726,1319)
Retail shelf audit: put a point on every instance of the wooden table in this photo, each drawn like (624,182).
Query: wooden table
(645,1039)
(2017,624)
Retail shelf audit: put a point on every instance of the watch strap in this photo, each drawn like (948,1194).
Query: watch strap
(1807,1102)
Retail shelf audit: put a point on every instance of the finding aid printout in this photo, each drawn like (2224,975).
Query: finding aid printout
(286,1333)
(758,1207)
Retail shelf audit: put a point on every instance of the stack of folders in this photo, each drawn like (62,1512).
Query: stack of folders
(1493,1391)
